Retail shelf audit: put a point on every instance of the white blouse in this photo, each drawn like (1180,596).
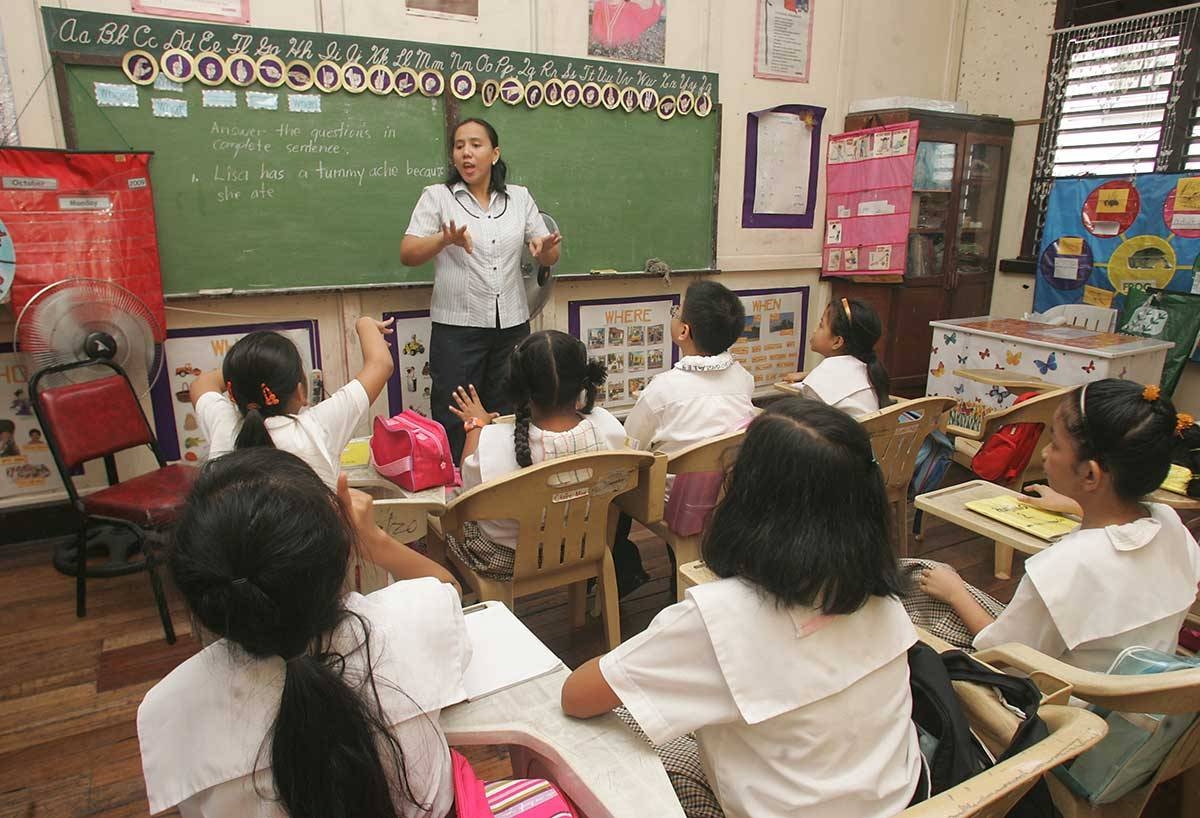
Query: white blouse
(201,729)
(842,382)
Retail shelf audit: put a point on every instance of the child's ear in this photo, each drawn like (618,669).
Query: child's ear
(302,393)
(1092,475)
(838,342)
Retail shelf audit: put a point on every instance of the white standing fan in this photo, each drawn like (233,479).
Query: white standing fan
(80,319)
(539,280)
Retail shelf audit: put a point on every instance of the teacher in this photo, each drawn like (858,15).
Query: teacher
(474,227)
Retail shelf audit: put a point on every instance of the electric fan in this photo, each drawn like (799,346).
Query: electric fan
(80,319)
(539,280)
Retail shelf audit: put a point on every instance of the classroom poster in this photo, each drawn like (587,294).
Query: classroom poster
(783,154)
(630,30)
(783,39)
(26,464)
(632,336)
(455,9)
(9,135)
(411,385)
(776,333)
(191,352)
(221,11)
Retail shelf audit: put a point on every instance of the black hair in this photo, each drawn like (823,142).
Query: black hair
(7,425)
(550,369)
(714,314)
(805,511)
(860,332)
(1132,438)
(260,554)
(499,170)
(262,371)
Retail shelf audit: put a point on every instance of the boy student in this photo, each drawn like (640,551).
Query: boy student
(706,394)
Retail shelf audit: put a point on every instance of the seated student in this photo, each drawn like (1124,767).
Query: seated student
(706,394)
(1110,445)
(792,670)
(260,398)
(309,703)
(553,386)
(850,377)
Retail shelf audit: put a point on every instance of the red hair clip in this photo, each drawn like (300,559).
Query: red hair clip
(268,396)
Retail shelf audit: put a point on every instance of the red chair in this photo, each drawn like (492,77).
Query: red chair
(97,419)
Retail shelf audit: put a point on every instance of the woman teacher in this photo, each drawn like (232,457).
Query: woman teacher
(474,227)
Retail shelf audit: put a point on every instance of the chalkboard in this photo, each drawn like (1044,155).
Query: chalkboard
(327,203)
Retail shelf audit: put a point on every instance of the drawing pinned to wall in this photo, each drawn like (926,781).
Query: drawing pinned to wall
(412,385)
(221,11)
(455,9)
(632,30)
(629,335)
(783,40)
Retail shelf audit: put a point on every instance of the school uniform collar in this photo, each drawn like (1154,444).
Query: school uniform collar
(469,201)
(705,363)
(838,377)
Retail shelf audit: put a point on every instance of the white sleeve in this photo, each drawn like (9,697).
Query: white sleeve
(668,677)
(470,471)
(641,425)
(609,429)
(535,225)
(339,415)
(1025,620)
(219,420)
(426,216)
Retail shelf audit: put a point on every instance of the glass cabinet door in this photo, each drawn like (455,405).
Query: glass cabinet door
(980,199)
(931,218)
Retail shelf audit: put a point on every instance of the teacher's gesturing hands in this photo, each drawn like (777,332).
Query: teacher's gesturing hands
(452,234)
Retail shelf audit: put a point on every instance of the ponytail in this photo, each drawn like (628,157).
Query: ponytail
(596,375)
(261,372)
(858,325)
(521,436)
(878,376)
(254,431)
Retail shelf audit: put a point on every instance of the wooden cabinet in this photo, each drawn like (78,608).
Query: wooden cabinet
(958,197)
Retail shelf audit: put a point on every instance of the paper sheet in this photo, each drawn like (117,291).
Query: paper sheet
(783,39)
(503,651)
(781,180)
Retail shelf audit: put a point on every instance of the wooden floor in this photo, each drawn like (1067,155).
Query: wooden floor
(69,688)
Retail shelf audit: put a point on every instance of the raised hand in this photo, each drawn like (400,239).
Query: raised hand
(541,246)
(469,406)
(453,234)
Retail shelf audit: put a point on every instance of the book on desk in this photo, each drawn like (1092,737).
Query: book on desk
(504,652)
(1045,525)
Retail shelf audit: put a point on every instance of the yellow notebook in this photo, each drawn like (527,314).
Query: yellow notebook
(1177,479)
(356,453)
(1045,525)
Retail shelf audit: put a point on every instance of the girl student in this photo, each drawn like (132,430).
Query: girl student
(788,719)
(259,397)
(1111,444)
(553,386)
(851,376)
(309,704)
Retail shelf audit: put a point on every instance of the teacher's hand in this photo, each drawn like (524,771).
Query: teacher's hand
(452,234)
(540,248)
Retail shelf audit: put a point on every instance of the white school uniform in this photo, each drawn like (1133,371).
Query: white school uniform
(201,728)
(315,434)
(1098,591)
(795,713)
(842,382)
(496,457)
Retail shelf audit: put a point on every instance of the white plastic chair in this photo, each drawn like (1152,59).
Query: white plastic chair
(1085,316)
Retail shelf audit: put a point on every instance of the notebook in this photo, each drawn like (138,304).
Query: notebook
(1045,525)
(503,651)
(356,453)
(1177,479)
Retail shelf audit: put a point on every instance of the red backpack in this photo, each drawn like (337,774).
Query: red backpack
(1006,453)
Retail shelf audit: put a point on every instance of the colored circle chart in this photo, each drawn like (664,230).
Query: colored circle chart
(1067,263)
(1141,260)
(1111,208)
(1182,221)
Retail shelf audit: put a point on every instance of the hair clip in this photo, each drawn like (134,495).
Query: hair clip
(846,309)
(1183,422)
(1151,392)
(268,396)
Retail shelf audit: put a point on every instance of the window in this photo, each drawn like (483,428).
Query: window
(1120,99)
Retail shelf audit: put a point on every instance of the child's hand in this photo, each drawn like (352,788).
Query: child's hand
(1047,498)
(382,327)
(468,406)
(358,506)
(452,234)
(942,582)
(794,377)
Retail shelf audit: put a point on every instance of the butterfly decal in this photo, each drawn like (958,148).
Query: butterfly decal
(998,366)
(935,350)
(984,353)
(962,359)
(1051,363)
(1013,357)
(999,393)
(958,390)
(1090,368)
(939,370)
(951,338)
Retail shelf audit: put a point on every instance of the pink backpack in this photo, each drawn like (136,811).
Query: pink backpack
(526,797)
(412,451)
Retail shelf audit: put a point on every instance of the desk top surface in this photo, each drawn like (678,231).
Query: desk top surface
(600,763)
(948,504)
(1102,344)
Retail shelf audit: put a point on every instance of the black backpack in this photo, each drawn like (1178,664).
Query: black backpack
(952,751)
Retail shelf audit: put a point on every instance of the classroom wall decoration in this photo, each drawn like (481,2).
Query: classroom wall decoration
(631,336)
(776,333)
(783,39)
(633,30)
(311,148)
(783,154)
(868,201)
(191,352)
(227,11)
(26,464)
(411,385)
(1103,234)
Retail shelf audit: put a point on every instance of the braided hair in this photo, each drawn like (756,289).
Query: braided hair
(550,370)
(261,371)
(860,331)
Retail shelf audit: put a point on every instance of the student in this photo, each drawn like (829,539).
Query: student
(1110,445)
(850,377)
(8,439)
(792,669)
(553,386)
(706,394)
(260,397)
(309,703)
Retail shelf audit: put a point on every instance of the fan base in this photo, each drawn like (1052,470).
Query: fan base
(113,550)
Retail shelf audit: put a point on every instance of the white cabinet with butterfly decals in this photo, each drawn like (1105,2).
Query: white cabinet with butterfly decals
(1011,347)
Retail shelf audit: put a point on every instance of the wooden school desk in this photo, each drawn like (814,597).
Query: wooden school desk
(599,763)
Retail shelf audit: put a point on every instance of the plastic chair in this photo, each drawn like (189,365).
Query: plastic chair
(1086,316)
(97,419)
(1174,692)
(896,443)
(566,520)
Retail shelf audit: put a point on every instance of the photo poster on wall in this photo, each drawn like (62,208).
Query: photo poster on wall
(191,352)
(26,464)
(410,386)
(632,336)
(1103,234)
(776,333)
(868,201)
(783,155)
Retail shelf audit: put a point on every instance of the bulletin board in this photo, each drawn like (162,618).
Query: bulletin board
(412,385)
(1104,233)
(631,336)
(776,334)
(868,200)
(26,463)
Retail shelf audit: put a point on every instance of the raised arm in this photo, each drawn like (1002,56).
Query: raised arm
(210,381)
(377,357)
